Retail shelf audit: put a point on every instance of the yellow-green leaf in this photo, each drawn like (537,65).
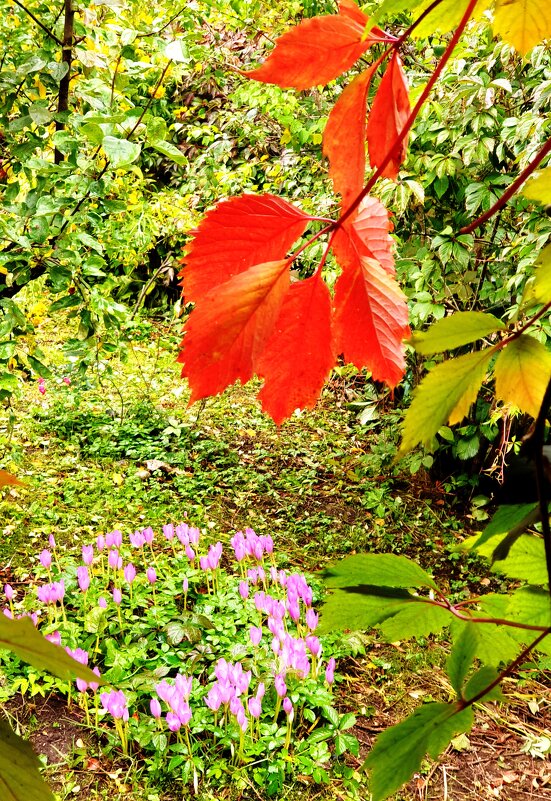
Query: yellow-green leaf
(522,23)
(538,187)
(452,332)
(444,396)
(523,370)
(538,289)
(20,779)
(444,17)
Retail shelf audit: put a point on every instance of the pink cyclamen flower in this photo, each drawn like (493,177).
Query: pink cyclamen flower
(51,541)
(185,584)
(54,637)
(255,634)
(244,589)
(255,707)
(155,708)
(151,575)
(100,542)
(168,531)
(117,595)
(148,535)
(102,603)
(67,380)
(117,538)
(113,558)
(41,386)
(311,619)
(83,577)
(9,592)
(287,706)
(129,573)
(87,554)
(45,558)
(280,686)
(190,553)
(115,703)
(313,644)
(330,671)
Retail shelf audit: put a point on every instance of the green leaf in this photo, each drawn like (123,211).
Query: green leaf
(361,608)
(40,114)
(444,396)
(399,751)
(538,187)
(120,152)
(177,51)
(538,289)
(390,8)
(383,570)
(456,330)
(494,643)
(169,150)
(506,518)
(39,368)
(526,561)
(20,778)
(482,679)
(461,657)
(176,632)
(21,637)
(66,302)
(419,619)
(530,605)
(8,382)
(522,372)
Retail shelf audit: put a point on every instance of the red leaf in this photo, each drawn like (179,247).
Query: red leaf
(390,111)
(317,50)
(236,235)
(371,311)
(300,354)
(229,327)
(344,138)
(372,227)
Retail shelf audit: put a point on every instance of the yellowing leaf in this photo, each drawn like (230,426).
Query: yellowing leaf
(538,290)
(538,187)
(522,23)
(452,332)
(9,479)
(444,17)
(443,396)
(522,371)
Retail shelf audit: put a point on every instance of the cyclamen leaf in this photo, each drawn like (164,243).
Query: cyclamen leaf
(20,778)
(230,326)
(444,396)
(522,372)
(399,751)
(387,118)
(538,187)
(300,354)
(344,138)
(236,235)
(317,50)
(456,330)
(371,317)
(522,23)
(385,570)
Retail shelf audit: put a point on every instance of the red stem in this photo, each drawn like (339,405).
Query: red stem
(468,229)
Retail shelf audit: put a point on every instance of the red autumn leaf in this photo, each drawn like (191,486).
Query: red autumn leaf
(298,357)
(317,50)
(389,113)
(237,234)
(372,226)
(229,327)
(371,317)
(344,138)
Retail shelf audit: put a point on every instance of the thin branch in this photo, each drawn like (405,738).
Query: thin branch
(41,25)
(161,29)
(150,101)
(546,149)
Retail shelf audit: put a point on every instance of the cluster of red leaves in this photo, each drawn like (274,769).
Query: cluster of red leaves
(251,316)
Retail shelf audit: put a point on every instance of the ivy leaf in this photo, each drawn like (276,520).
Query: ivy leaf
(522,23)
(317,50)
(344,138)
(300,354)
(462,655)
(444,396)
(120,152)
(21,637)
(237,234)
(230,326)
(399,751)
(538,187)
(389,114)
(385,570)
(456,330)
(20,778)
(522,372)
(371,317)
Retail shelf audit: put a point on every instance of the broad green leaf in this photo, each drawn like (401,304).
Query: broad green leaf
(522,23)
(419,619)
(505,519)
(526,561)
(8,382)
(494,644)
(522,372)
(444,17)
(169,150)
(538,186)
(390,8)
(383,570)
(399,751)
(21,637)
(462,655)
(530,605)
(40,114)
(20,778)
(66,302)
(361,609)
(482,679)
(120,152)
(454,331)
(444,396)
(176,632)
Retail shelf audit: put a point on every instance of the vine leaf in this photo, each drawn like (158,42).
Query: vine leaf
(522,23)
(371,228)
(538,186)
(385,570)
(389,114)
(444,17)
(522,372)
(237,234)
(317,50)
(399,751)
(344,138)
(444,396)
(462,655)
(454,331)
(418,619)
(525,560)
(20,778)
(227,331)
(300,354)
(538,289)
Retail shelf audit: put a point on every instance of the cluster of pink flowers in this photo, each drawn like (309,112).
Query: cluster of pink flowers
(231,683)
(250,544)
(212,559)
(51,593)
(176,697)
(116,704)
(82,656)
